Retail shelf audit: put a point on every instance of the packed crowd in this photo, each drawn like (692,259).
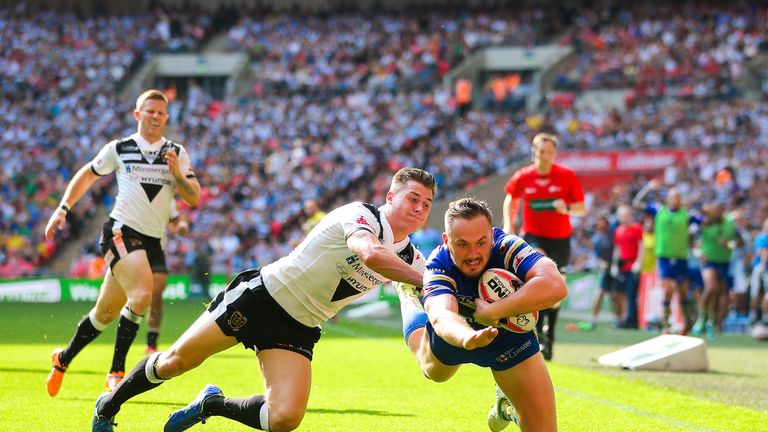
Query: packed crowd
(259,158)
(682,49)
(58,95)
(347,51)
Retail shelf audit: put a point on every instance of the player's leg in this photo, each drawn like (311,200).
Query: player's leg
(200,341)
(108,305)
(707,301)
(159,281)
(416,337)
(287,380)
(134,275)
(686,304)
(630,291)
(431,366)
(529,388)
(414,317)
(669,286)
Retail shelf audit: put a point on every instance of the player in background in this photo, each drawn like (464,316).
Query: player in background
(627,260)
(277,310)
(603,248)
(741,261)
(314,215)
(716,236)
(551,194)
(454,326)
(671,225)
(150,170)
(180,227)
(759,282)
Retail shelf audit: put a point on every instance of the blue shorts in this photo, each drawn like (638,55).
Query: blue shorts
(673,268)
(720,268)
(507,350)
(694,276)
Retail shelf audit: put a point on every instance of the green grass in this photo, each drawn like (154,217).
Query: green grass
(364,379)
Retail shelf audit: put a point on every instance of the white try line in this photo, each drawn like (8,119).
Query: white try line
(633,410)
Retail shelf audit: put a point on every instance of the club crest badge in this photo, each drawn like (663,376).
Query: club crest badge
(237,321)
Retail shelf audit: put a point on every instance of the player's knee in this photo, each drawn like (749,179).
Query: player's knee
(286,418)
(140,301)
(172,364)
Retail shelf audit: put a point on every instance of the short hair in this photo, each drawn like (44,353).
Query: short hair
(541,138)
(467,208)
(150,94)
(404,175)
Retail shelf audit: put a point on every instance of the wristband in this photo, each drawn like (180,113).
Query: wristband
(64,207)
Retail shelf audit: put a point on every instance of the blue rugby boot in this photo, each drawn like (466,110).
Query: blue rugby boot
(101,423)
(192,414)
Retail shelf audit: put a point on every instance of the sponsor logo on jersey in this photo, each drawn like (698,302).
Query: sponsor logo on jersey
(530,190)
(351,260)
(362,221)
(130,156)
(341,269)
(237,320)
(554,188)
(360,269)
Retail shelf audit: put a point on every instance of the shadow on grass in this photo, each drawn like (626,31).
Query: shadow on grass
(45,371)
(131,402)
(357,411)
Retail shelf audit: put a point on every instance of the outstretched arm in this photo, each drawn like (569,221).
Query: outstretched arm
(452,327)
(639,199)
(76,188)
(382,260)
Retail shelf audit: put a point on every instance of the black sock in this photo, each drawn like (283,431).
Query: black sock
(551,323)
(126,333)
(246,411)
(136,382)
(85,333)
(152,336)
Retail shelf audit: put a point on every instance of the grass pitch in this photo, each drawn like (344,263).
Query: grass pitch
(365,379)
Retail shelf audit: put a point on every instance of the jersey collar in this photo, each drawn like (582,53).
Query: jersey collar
(389,236)
(144,143)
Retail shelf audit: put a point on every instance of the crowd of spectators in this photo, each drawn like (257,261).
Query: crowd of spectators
(343,51)
(682,49)
(58,94)
(260,157)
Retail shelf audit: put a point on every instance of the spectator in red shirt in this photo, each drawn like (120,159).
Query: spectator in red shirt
(627,257)
(551,193)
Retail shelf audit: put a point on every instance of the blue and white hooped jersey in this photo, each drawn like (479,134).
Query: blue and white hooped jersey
(442,277)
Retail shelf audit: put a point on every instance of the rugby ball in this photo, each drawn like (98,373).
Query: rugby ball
(496,284)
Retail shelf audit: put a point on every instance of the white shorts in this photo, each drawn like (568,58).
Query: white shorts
(740,283)
(759,281)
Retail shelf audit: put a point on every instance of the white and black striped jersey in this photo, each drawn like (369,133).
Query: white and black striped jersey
(322,275)
(145,184)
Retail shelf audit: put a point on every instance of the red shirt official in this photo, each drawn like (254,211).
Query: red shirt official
(627,238)
(538,191)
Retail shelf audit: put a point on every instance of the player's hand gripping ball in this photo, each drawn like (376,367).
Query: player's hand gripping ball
(496,284)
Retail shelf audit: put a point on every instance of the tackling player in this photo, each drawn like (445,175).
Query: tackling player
(150,170)
(453,328)
(277,310)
